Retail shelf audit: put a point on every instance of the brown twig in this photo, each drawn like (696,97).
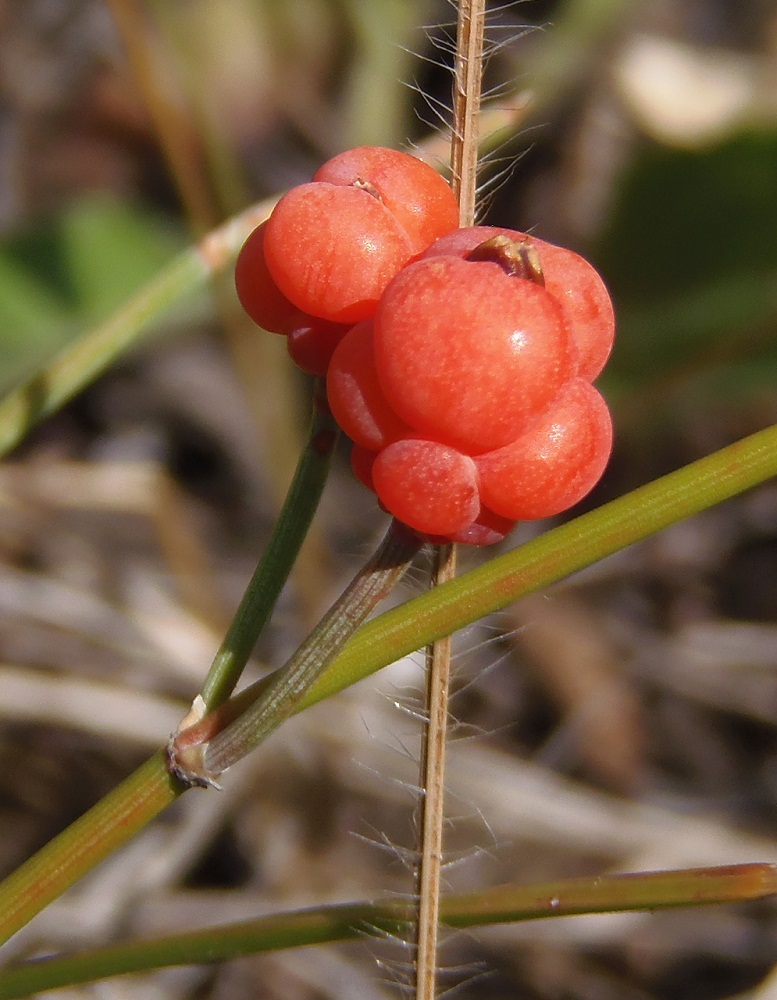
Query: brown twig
(438,665)
(467,77)
(464,152)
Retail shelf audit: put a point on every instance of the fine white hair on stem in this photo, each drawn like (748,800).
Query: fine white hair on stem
(405,856)
(464,49)
(500,36)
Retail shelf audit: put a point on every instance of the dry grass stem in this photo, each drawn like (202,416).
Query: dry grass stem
(464,155)
(467,79)
(432,804)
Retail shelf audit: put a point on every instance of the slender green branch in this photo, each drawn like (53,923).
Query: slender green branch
(47,390)
(272,572)
(549,558)
(200,753)
(151,788)
(488,588)
(327,924)
(106,826)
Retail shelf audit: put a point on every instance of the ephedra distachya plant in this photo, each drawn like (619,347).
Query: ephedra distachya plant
(459,361)
(464,378)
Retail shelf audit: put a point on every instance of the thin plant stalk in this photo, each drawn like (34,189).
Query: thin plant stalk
(551,557)
(115,819)
(275,566)
(345,921)
(467,81)
(149,790)
(79,364)
(201,753)
(432,802)
(399,631)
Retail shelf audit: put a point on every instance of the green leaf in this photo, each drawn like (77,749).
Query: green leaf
(108,249)
(33,320)
(690,255)
(76,268)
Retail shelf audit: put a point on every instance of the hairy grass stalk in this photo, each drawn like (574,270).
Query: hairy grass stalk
(467,77)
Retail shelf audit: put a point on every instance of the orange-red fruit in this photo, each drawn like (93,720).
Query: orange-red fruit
(261,298)
(586,304)
(488,528)
(468,355)
(332,249)
(553,465)
(312,342)
(571,279)
(362,461)
(412,191)
(355,396)
(428,486)
(333,245)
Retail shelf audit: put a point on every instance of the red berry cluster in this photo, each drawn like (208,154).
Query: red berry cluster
(458,361)
(326,254)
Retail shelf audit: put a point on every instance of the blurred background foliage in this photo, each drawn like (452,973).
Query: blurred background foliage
(644,135)
(650,143)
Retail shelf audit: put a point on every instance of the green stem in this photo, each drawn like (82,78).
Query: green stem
(404,629)
(549,558)
(150,789)
(106,826)
(327,924)
(43,394)
(272,572)
(200,753)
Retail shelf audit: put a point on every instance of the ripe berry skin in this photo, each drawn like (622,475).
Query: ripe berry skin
(261,298)
(488,528)
(428,486)
(355,396)
(571,279)
(332,249)
(586,303)
(362,461)
(312,342)
(553,465)
(415,194)
(468,355)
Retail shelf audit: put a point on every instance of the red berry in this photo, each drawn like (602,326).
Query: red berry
(586,304)
(468,355)
(355,396)
(261,298)
(312,342)
(553,465)
(428,486)
(488,528)
(415,194)
(332,249)
(362,461)
(570,278)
